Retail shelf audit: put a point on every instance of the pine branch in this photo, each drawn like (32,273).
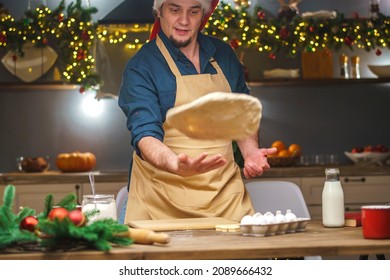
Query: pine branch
(69,202)
(64,235)
(10,232)
(57,234)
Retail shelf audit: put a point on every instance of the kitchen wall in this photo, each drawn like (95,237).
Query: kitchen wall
(43,121)
(323,118)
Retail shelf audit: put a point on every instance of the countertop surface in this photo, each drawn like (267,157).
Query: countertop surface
(122,175)
(210,244)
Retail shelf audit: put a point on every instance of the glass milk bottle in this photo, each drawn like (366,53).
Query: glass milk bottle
(332,199)
(105,203)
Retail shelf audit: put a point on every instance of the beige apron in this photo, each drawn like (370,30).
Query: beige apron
(156,194)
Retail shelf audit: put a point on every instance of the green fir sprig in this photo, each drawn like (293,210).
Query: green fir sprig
(58,234)
(10,232)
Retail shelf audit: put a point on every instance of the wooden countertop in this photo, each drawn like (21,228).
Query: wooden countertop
(48,177)
(122,175)
(211,244)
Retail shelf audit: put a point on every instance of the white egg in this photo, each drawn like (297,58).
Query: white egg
(279,217)
(257,214)
(247,220)
(290,216)
(259,219)
(269,217)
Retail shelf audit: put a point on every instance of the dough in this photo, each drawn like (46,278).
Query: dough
(217,115)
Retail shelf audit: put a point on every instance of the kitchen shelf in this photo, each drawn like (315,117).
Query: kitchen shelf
(254,83)
(316,82)
(37,86)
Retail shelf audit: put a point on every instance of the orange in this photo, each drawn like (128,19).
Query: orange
(279,145)
(284,153)
(295,150)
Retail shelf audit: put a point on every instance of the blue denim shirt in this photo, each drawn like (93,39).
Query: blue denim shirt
(148,88)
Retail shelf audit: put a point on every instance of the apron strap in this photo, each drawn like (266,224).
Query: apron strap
(172,64)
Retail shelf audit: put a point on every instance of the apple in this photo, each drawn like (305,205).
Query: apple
(357,150)
(368,149)
(59,213)
(381,148)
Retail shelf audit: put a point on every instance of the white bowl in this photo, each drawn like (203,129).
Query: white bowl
(382,71)
(368,158)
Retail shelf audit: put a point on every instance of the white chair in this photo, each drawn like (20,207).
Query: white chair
(120,200)
(278,195)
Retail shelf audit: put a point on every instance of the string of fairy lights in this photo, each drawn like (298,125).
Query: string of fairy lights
(72,33)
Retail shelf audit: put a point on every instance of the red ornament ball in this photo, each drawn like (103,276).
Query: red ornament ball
(85,36)
(234,43)
(3,38)
(378,52)
(77,218)
(284,33)
(58,213)
(261,14)
(272,56)
(60,17)
(348,41)
(29,223)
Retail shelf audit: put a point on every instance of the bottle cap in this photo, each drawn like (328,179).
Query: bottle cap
(355,59)
(332,171)
(343,58)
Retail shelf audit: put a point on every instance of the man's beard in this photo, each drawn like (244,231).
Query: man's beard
(178,44)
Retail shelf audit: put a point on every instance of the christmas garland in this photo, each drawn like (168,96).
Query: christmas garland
(291,32)
(61,226)
(71,32)
(68,30)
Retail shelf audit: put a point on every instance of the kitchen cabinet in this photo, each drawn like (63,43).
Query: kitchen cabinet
(33,195)
(358,191)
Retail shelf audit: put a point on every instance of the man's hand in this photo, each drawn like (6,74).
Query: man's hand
(187,166)
(256,162)
(163,158)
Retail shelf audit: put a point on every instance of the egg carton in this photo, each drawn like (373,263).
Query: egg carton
(271,229)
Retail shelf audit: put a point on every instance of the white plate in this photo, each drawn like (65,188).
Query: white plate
(368,158)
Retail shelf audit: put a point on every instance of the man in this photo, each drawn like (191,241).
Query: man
(173,176)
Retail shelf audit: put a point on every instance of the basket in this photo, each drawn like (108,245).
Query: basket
(282,161)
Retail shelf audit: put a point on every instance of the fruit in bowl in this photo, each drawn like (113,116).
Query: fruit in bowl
(286,155)
(369,154)
(33,164)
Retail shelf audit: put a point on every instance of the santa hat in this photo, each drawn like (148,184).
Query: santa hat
(156,26)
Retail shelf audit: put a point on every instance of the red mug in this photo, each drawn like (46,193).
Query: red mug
(376,221)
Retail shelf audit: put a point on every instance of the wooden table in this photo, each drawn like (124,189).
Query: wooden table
(210,244)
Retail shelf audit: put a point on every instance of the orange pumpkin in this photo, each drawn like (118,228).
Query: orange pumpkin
(76,162)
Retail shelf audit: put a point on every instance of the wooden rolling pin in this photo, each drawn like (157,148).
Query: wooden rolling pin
(146,236)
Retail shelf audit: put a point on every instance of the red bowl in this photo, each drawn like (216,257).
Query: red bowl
(376,221)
